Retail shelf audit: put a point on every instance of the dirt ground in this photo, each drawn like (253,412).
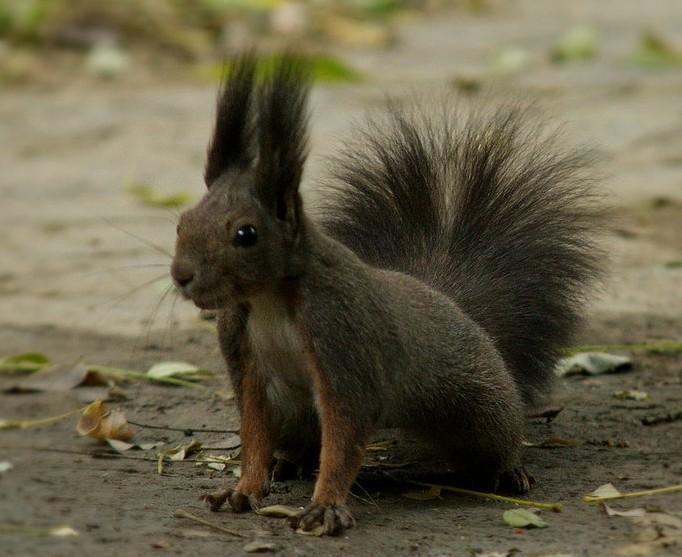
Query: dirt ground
(70,269)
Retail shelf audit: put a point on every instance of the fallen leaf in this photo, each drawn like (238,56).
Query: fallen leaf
(430,494)
(27,362)
(629,513)
(258,546)
(148,195)
(654,51)
(578,43)
(317,531)
(177,453)
(99,423)
(161,544)
(59,378)
(5,466)
(606,490)
(178,370)
(62,531)
(523,518)
(592,363)
(38,532)
(122,446)
(218,466)
(510,60)
(631,395)
(278,511)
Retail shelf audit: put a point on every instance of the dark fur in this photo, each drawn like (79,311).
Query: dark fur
(466,254)
(488,211)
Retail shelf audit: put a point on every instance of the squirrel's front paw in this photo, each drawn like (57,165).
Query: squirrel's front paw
(333,518)
(238,500)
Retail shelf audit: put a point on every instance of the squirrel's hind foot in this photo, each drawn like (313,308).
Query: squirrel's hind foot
(333,518)
(517,480)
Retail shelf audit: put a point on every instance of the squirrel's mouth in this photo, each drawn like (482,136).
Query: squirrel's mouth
(205,301)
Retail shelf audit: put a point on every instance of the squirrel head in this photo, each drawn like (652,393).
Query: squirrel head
(245,235)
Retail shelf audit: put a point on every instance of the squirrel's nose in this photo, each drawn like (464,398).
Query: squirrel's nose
(182,273)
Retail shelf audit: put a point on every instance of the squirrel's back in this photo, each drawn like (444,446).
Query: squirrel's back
(488,210)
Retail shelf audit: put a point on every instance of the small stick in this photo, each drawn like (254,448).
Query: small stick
(181,513)
(183,429)
(556,507)
(657,491)
(24,424)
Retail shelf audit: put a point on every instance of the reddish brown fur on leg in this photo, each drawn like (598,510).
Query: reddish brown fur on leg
(257,435)
(343,448)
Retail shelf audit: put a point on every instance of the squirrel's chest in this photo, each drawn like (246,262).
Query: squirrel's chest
(279,355)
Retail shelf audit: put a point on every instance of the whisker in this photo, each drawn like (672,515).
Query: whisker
(146,242)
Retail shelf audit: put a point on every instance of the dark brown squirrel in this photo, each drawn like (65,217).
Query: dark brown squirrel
(433,294)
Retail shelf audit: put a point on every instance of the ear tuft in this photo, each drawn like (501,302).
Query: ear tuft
(232,141)
(283,133)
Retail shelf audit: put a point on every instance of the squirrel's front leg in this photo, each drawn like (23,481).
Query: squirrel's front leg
(258,439)
(343,449)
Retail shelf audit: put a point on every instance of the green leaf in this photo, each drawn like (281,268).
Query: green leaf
(182,370)
(28,362)
(323,67)
(148,195)
(523,518)
(606,490)
(578,43)
(654,51)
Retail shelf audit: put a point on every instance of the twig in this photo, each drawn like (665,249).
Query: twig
(657,491)
(556,507)
(24,424)
(182,513)
(183,429)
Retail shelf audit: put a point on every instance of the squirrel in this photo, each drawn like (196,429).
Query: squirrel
(433,292)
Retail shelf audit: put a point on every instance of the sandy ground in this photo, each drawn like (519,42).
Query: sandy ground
(70,269)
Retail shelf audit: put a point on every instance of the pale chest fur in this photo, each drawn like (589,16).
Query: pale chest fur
(280,356)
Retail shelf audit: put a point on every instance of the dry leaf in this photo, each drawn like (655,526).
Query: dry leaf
(629,513)
(122,446)
(631,395)
(592,363)
(278,511)
(5,466)
(99,423)
(606,490)
(317,531)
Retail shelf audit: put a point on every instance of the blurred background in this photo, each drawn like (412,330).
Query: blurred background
(106,108)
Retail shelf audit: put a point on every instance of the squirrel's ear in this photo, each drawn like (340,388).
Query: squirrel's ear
(283,136)
(232,143)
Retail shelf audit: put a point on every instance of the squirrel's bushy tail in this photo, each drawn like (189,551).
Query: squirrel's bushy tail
(488,211)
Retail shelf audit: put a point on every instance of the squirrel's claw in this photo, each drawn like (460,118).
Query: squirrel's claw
(240,502)
(517,480)
(333,518)
(216,499)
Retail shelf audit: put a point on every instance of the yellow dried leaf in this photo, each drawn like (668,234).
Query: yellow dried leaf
(100,423)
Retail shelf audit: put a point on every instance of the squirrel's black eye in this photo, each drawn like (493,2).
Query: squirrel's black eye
(245,236)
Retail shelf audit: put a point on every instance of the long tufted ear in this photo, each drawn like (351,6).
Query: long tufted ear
(283,136)
(232,141)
